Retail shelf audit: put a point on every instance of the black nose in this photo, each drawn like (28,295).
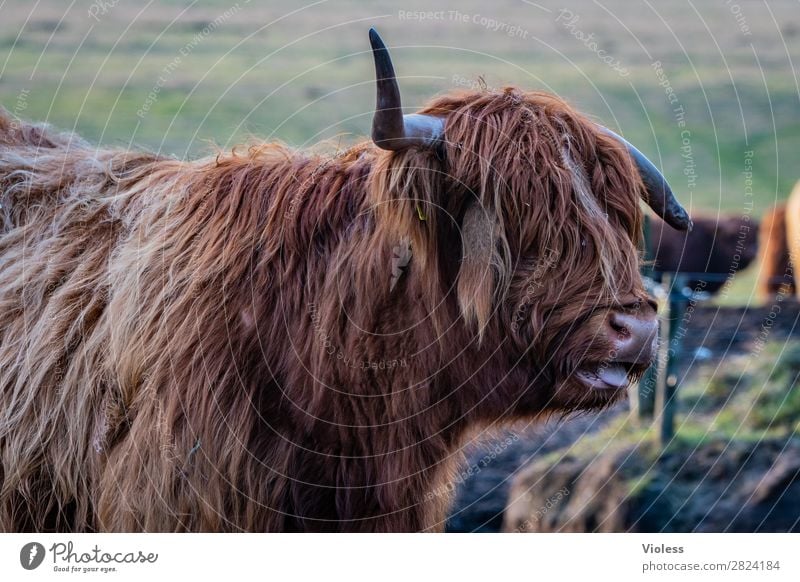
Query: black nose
(634,333)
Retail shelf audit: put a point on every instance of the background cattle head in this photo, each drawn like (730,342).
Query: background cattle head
(530,214)
(719,244)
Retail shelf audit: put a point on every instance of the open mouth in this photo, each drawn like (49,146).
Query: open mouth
(606,376)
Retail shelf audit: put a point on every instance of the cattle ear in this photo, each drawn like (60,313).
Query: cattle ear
(482,271)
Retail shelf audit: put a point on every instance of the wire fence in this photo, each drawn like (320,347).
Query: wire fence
(692,332)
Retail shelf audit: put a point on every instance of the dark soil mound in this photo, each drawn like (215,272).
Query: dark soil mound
(716,487)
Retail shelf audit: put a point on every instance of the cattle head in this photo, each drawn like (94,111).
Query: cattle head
(530,212)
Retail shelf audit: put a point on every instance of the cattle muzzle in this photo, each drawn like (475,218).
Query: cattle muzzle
(632,333)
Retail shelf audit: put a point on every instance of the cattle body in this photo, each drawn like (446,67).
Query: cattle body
(775,275)
(273,340)
(793,232)
(719,245)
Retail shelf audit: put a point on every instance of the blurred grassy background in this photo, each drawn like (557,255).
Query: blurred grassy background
(301,73)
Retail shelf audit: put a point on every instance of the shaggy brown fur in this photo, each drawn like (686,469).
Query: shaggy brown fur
(242,343)
(775,274)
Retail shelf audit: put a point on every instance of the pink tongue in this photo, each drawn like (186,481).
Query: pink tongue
(614,375)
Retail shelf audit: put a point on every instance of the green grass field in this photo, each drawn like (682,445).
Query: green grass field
(708,89)
(227,71)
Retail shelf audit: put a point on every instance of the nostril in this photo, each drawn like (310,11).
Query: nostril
(618,324)
(632,336)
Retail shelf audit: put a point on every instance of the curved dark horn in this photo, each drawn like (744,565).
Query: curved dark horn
(391,130)
(659,195)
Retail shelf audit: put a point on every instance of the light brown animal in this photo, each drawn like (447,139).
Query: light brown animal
(775,274)
(793,233)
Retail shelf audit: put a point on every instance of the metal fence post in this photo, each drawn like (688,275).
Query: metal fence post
(671,341)
(645,396)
